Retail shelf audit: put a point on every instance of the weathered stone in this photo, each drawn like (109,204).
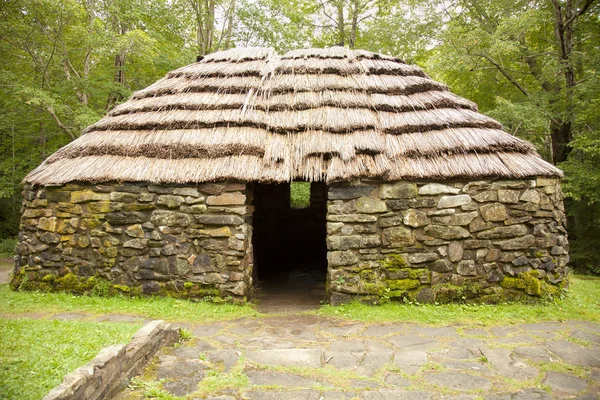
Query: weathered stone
(346,192)
(216,219)
(503,232)
(85,196)
(47,224)
(478,224)
(530,195)
(519,243)
(369,205)
(462,219)
(186,191)
(446,232)
(49,237)
(510,185)
(476,244)
(170,201)
(474,187)
(146,197)
(223,231)
(390,221)
(436,188)
(494,212)
(398,236)
(169,218)
(399,190)
(419,258)
(341,258)
(455,251)
(72,208)
(67,226)
(415,218)
(426,296)
(123,197)
(454,201)
(444,212)
(495,275)
(136,243)
(135,231)
(508,196)
(441,266)
(227,199)
(466,268)
(483,197)
(168,250)
(31,213)
(126,217)
(194,209)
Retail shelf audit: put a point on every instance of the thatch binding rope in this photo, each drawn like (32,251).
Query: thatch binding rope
(315,114)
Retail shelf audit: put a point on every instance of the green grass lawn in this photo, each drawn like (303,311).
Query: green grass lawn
(582,302)
(168,309)
(35,355)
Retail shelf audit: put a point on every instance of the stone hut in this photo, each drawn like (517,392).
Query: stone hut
(185,188)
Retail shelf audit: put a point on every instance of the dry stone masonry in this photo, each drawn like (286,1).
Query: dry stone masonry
(432,242)
(185,241)
(420,241)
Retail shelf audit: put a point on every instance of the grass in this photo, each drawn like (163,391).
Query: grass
(582,302)
(35,355)
(7,247)
(165,308)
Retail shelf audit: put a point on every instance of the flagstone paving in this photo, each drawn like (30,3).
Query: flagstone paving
(309,357)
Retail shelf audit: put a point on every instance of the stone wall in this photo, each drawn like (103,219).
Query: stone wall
(485,240)
(187,241)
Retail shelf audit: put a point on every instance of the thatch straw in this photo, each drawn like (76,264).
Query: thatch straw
(315,114)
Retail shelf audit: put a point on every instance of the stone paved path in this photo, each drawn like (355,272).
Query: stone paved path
(308,357)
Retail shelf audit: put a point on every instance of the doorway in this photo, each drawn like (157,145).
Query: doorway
(290,252)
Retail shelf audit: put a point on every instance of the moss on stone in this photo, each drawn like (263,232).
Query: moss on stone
(530,282)
(122,288)
(402,284)
(393,261)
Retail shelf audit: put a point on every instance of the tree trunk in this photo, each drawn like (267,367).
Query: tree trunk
(341,23)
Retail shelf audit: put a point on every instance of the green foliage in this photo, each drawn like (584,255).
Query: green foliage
(7,247)
(300,194)
(37,354)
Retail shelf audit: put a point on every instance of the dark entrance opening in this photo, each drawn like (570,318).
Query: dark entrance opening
(290,253)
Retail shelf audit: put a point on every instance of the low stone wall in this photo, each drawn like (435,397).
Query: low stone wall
(110,371)
(185,241)
(485,240)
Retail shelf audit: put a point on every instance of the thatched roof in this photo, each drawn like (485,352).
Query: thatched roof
(315,114)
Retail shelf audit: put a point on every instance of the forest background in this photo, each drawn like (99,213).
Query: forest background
(531,64)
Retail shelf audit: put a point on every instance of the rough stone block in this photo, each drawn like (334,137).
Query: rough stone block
(227,199)
(466,268)
(494,212)
(503,232)
(170,201)
(341,258)
(415,218)
(519,243)
(369,205)
(446,232)
(349,192)
(454,201)
(508,196)
(399,190)
(398,236)
(432,189)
